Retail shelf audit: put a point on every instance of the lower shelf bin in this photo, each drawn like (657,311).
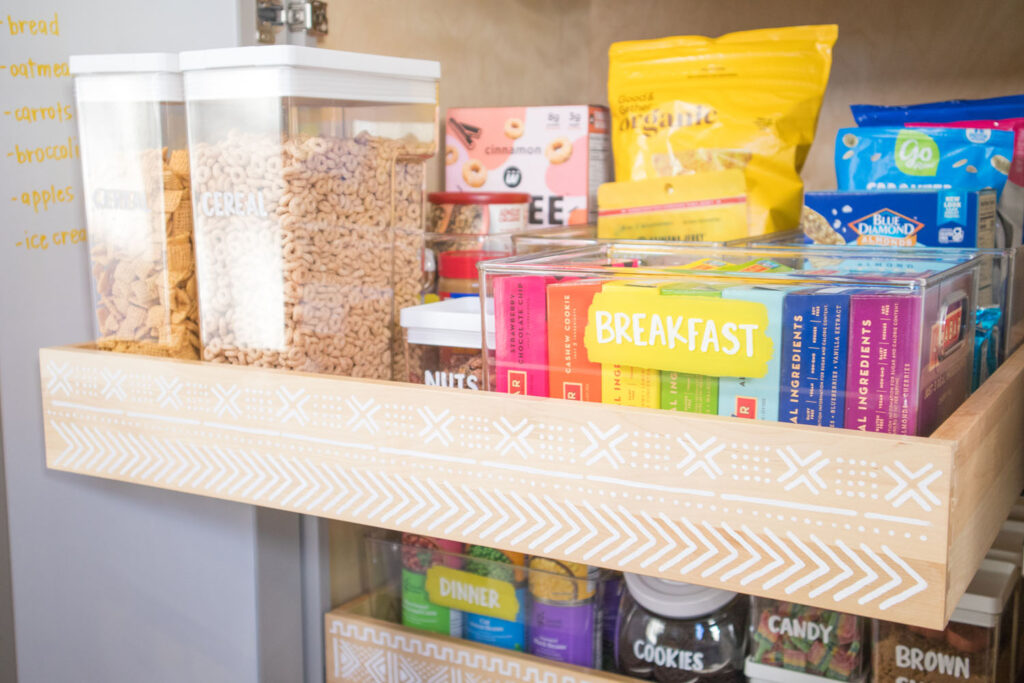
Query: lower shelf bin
(362,649)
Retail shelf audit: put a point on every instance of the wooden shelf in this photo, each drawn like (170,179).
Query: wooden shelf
(879,525)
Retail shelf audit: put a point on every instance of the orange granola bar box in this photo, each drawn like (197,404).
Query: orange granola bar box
(572,375)
(559,155)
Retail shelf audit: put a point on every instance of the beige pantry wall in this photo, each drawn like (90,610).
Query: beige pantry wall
(517,52)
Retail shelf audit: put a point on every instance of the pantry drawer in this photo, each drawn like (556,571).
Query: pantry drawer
(871,524)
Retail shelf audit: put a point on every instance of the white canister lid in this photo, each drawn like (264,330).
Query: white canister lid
(452,322)
(986,596)
(128,77)
(132,62)
(299,71)
(675,599)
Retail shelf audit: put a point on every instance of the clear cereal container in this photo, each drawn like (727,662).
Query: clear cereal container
(309,196)
(810,640)
(135,172)
(968,649)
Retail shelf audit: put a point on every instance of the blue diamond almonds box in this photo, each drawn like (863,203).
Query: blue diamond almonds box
(904,218)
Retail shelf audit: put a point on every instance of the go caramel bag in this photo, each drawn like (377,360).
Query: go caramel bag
(747,100)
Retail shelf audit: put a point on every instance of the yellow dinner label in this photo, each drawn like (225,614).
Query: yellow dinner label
(472,593)
(701,335)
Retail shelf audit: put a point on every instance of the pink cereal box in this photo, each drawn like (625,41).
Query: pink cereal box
(559,155)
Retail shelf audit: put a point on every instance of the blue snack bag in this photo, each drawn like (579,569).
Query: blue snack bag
(896,158)
(1008,106)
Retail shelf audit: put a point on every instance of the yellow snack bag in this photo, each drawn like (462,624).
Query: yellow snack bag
(747,100)
(703,207)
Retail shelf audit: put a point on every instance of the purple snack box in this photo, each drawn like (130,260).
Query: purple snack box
(947,351)
(883,362)
(565,633)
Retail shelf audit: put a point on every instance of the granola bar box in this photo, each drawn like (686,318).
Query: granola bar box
(904,218)
(558,155)
(135,171)
(308,188)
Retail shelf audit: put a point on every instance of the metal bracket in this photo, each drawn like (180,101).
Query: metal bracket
(272,16)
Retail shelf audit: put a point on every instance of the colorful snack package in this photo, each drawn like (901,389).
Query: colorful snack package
(481,628)
(571,375)
(683,391)
(692,104)
(894,158)
(702,207)
(756,398)
(520,323)
(950,110)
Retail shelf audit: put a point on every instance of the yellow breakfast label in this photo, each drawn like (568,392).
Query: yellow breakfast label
(472,593)
(702,335)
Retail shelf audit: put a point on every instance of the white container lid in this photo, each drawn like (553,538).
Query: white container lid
(1010,556)
(675,599)
(986,596)
(128,77)
(452,322)
(299,71)
(757,672)
(132,62)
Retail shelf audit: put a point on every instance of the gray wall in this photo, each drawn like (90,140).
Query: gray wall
(111,582)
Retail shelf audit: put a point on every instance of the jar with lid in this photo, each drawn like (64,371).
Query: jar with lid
(680,632)
(443,343)
(457,273)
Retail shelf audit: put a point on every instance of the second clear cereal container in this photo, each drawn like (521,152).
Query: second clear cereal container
(309,193)
(968,649)
(811,640)
(135,173)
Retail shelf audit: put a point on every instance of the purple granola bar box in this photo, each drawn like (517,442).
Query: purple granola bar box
(884,361)
(946,351)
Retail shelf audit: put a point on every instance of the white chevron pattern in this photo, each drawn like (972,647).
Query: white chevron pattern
(551,524)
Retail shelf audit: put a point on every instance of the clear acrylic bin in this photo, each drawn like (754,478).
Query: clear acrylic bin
(763,334)
(536,605)
(1001,281)
(968,649)
(135,172)
(309,190)
(442,343)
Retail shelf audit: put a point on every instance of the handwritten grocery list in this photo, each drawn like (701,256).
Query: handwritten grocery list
(40,179)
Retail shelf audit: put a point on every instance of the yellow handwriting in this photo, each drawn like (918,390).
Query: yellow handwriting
(37,155)
(60,112)
(33,69)
(39,241)
(33,27)
(46,197)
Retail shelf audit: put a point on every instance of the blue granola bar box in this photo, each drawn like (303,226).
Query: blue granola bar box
(903,218)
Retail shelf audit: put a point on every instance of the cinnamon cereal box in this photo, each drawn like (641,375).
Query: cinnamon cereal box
(559,155)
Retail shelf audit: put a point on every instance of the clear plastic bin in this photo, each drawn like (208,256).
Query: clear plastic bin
(810,640)
(968,649)
(309,190)
(1001,281)
(786,336)
(135,173)
(575,236)
(544,607)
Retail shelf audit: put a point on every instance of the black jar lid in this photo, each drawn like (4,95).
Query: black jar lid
(675,599)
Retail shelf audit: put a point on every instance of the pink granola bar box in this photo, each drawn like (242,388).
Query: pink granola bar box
(559,155)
